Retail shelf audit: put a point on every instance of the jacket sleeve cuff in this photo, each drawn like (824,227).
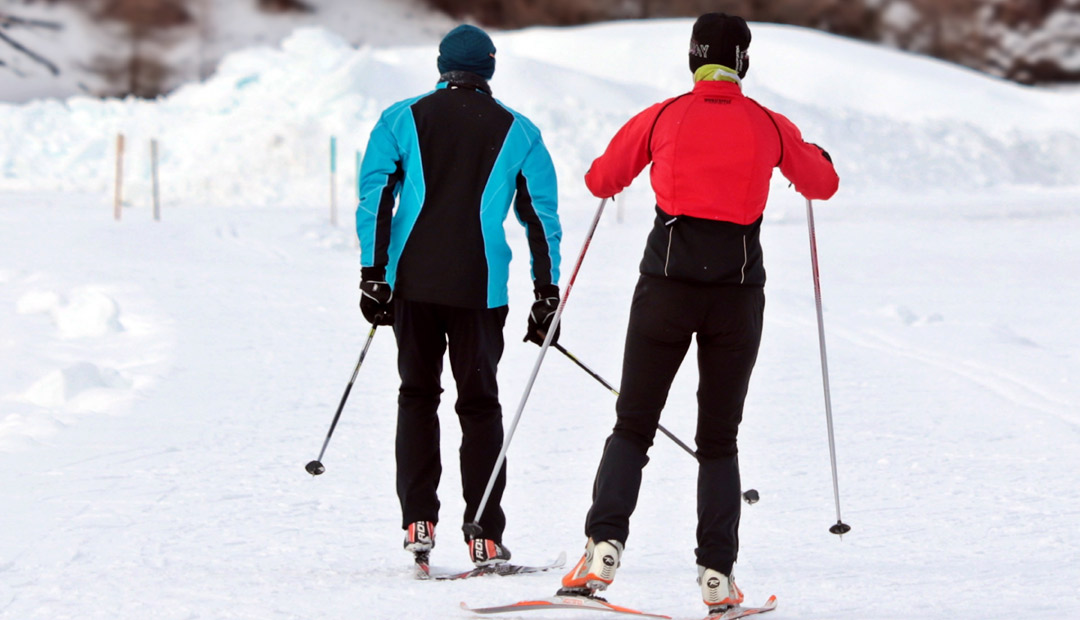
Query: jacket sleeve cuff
(546,290)
(373,274)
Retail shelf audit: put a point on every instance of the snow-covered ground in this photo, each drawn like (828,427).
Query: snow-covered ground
(165,382)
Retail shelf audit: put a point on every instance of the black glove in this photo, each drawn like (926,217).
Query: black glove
(824,153)
(375,301)
(542,313)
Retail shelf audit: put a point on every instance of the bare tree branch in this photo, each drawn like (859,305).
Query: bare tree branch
(6,21)
(38,58)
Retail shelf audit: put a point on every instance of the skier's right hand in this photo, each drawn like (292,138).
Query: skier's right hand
(376,302)
(824,153)
(542,314)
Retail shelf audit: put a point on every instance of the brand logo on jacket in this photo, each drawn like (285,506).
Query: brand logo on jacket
(716,100)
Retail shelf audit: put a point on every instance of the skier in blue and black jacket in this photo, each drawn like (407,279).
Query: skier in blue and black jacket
(453,161)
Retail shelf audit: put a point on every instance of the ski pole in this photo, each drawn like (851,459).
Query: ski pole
(751,496)
(840,527)
(316,467)
(581,365)
(473,529)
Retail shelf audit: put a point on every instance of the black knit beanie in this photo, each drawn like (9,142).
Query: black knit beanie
(720,39)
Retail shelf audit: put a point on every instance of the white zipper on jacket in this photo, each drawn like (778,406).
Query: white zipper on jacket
(670,229)
(745,259)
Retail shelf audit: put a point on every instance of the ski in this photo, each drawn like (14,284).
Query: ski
(423,570)
(593,603)
(742,612)
(422,565)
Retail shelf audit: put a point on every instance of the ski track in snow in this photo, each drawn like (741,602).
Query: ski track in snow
(1023,393)
(1020,392)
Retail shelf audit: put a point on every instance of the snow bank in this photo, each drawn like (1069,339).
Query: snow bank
(258,131)
(191,52)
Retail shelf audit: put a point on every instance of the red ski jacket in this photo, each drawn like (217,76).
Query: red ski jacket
(712,152)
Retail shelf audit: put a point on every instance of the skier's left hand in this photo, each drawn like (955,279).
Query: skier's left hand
(376,302)
(542,313)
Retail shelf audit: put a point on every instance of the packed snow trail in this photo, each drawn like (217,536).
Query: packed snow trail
(180,491)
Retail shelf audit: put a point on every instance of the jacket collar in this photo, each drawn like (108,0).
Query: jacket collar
(716,73)
(709,87)
(463,79)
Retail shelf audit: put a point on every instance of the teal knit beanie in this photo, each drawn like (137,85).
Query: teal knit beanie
(467,48)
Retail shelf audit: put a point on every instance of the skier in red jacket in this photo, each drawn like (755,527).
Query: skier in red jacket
(712,152)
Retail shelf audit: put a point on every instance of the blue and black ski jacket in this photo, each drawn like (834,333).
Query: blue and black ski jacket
(455,159)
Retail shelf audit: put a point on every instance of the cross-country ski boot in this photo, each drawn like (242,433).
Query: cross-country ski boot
(487,552)
(420,540)
(718,590)
(595,570)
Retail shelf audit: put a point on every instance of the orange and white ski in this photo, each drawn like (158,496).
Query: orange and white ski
(741,612)
(593,603)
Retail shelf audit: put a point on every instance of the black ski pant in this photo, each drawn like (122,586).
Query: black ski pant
(475,340)
(664,317)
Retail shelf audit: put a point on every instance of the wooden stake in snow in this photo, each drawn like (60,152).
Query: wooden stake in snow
(118,195)
(333,180)
(154,178)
